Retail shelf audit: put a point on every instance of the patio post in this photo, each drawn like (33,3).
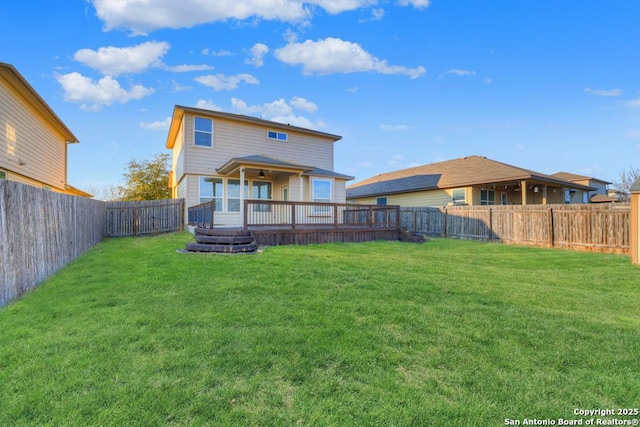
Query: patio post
(635,223)
(242,196)
(523,192)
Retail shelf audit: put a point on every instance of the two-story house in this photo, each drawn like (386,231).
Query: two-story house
(213,153)
(33,139)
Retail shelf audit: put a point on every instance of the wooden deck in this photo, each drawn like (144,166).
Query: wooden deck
(273,223)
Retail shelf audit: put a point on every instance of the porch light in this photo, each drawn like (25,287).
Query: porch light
(261,174)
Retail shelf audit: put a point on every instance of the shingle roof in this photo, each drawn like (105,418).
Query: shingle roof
(179,110)
(328,174)
(462,172)
(567,176)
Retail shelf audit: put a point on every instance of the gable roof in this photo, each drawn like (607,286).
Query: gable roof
(20,84)
(179,110)
(462,172)
(567,176)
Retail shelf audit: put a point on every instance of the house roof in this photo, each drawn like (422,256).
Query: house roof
(462,172)
(262,161)
(602,198)
(567,176)
(329,174)
(20,84)
(635,188)
(179,110)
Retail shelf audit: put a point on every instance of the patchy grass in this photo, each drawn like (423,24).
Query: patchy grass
(451,333)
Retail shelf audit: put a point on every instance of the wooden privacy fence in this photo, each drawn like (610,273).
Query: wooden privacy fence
(40,232)
(594,227)
(143,218)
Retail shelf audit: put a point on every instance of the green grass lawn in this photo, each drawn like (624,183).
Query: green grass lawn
(447,333)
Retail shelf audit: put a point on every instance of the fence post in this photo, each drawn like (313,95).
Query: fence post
(635,223)
(135,222)
(444,222)
(551,228)
(490,224)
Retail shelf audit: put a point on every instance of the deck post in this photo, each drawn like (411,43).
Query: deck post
(293,216)
(635,223)
(212,205)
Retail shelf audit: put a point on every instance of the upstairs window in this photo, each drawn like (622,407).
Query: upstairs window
(203,132)
(280,136)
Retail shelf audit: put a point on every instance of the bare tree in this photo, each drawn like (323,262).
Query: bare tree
(627,179)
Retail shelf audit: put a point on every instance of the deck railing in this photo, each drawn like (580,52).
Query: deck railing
(202,215)
(280,214)
(273,213)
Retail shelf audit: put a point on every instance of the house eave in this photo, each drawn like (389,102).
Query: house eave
(22,86)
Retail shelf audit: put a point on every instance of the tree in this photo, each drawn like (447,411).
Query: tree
(147,180)
(627,178)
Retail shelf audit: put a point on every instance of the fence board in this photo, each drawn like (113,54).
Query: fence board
(594,227)
(144,217)
(40,232)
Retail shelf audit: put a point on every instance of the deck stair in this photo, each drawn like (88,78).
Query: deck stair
(220,240)
(410,236)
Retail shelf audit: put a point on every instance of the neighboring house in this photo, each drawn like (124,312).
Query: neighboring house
(472,180)
(33,139)
(599,195)
(213,152)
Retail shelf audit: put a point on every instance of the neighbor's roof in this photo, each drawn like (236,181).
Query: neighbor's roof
(574,177)
(462,172)
(20,84)
(179,110)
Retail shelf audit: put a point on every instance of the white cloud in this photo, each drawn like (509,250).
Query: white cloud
(143,16)
(160,125)
(206,52)
(488,80)
(221,82)
(187,68)
(376,15)
(106,91)
(257,53)
(415,3)
(207,105)
(280,111)
(393,128)
(332,55)
(634,103)
(598,92)
(458,72)
(114,61)
(303,104)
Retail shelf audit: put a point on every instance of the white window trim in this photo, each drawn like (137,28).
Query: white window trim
(201,131)
(321,210)
(213,198)
(463,202)
(277,137)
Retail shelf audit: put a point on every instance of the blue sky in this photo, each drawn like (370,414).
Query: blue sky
(546,85)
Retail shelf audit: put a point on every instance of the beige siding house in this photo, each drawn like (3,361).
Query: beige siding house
(599,194)
(213,152)
(33,139)
(472,180)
